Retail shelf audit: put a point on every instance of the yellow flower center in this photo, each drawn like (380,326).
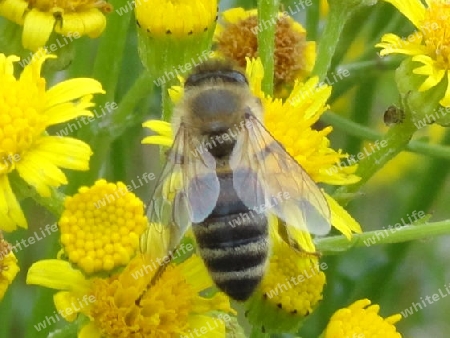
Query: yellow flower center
(239,40)
(101,225)
(358,320)
(128,307)
(20,120)
(293,283)
(436,32)
(61,6)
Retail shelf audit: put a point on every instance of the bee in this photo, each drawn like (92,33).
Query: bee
(225,175)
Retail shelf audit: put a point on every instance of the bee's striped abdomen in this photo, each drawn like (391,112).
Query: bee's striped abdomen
(233,242)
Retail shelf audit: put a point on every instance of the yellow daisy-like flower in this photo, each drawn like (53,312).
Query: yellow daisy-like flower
(8,266)
(71,18)
(101,225)
(290,290)
(27,108)
(177,18)
(136,303)
(362,320)
(290,123)
(236,39)
(428,46)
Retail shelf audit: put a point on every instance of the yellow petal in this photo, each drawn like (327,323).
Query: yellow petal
(64,152)
(37,29)
(209,327)
(10,212)
(57,274)
(64,300)
(414,10)
(89,331)
(90,23)
(67,111)
(40,174)
(341,219)
(159,140)
(161,127)
(391,43)
(14,10)
(72,89)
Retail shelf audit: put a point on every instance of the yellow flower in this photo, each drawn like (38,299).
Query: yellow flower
(101,225)
(290,290)
(27,108)
(136,302)
(178,18)
(290,122)
(8,266)
(358,320)
(429,46)
(174,36)
(71,18)
(236,38)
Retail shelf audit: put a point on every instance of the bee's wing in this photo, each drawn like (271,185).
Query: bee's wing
(276,183)
(185,193)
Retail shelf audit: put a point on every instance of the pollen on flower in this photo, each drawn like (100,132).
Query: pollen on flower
(294,282)
(237,39)
(436,33)
(127,306)
(101,225)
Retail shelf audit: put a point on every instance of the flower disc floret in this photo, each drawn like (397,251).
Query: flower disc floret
(362,320)
(101,225)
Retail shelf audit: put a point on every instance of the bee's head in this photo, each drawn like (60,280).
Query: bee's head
(216,97)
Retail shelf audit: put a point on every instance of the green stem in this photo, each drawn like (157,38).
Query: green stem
(329,41)
(355,129)
(267,19)
(392,143)
(312,21)
(123,117)
(339,244)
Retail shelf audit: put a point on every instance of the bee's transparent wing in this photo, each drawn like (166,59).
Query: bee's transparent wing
(186,192)
(276,183)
